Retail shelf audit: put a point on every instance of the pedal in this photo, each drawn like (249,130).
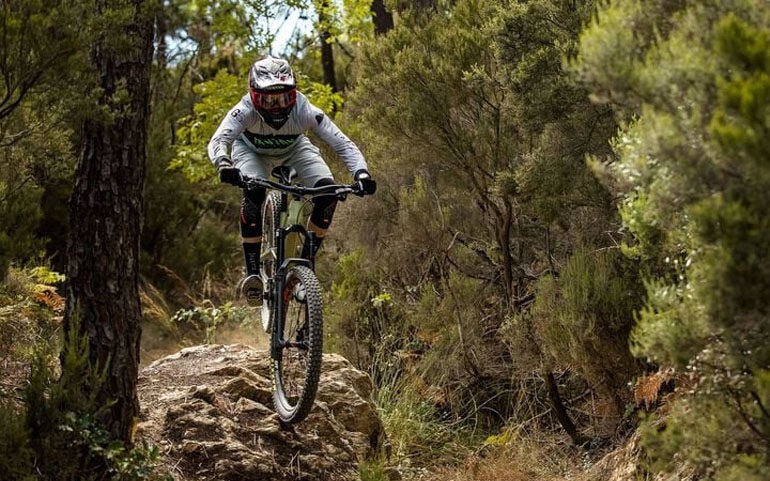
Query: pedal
(251,289)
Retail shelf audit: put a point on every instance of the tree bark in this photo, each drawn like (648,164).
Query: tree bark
(381,18)
(424,4)
(106,214)
(561,411)
(327,53)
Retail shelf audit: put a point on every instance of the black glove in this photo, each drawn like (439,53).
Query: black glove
(227,173)
(366,184)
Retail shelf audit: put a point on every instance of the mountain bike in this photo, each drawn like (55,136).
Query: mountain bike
(292,309)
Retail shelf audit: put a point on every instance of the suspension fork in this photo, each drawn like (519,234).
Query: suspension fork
(276,338)
(277,342)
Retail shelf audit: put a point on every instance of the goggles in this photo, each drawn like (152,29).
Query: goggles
(274,101)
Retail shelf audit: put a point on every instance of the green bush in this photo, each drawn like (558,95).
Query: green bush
(51,432)
(203,321)
(584,317)
(16,454)
(693,162)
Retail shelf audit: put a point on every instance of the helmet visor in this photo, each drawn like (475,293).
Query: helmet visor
(274,101)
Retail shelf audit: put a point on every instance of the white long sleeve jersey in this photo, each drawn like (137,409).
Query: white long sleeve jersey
(245,122)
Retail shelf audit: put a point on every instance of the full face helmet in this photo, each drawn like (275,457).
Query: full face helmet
(273,88)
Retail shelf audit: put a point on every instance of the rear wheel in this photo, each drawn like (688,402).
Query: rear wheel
(271,219)
(297,367)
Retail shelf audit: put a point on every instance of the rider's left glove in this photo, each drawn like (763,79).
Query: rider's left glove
(227,173)
(366,184)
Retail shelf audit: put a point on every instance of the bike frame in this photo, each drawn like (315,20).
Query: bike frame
(276,285)
(290,193)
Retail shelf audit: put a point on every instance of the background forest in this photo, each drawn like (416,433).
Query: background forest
(569,243)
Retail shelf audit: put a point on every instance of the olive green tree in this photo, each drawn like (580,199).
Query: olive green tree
(479,137)
(691,84)
(583,295)
(40,58)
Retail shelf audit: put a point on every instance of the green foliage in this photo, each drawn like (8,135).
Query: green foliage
(357,20)
(497,194)
(135,464)
(732,224)
(370,321)
(693,167)
(44,275)
(25,332)
(25,325)
(713,439)
(555,118)
(668,329)
(52,432)
(613,49)
(322,96)
(583,318)
(461,349)
(348,21)
(224,26)
(369,324)
(415,86)
(507,436)
(183,238)
(373,470)
(37,161)
(20,211)
(328,15)
(208,319)
(40,39)
(413,423)
(17,461)
(217,95)
(533,48)
(37,150)
(204,251)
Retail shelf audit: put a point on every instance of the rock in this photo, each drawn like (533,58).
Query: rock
(210,410)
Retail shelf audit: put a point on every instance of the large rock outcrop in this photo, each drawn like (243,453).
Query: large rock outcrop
(209,409)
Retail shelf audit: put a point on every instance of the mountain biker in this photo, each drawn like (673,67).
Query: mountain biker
(267,128)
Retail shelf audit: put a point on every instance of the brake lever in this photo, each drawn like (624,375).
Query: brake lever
(358,190)
(250,182)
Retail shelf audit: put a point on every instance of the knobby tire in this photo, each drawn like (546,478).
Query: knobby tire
(298,369)
(271,218)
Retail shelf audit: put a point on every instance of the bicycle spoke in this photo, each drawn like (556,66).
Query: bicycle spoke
(297,368)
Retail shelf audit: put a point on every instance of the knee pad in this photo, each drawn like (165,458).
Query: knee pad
(251,213)
(323,207)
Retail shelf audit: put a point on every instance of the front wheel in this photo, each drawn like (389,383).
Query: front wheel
(271,219)
(298,337)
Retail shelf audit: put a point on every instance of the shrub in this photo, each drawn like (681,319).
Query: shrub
(584,318)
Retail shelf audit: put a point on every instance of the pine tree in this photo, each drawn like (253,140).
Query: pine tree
(106,212)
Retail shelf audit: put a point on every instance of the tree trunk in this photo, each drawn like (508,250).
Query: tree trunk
(418,5)
(561,411)
(381,18)
(106,214)
(424,4)
(161,29)
(327,54)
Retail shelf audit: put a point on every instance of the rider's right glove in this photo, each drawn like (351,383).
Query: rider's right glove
(366,184)
(227,173)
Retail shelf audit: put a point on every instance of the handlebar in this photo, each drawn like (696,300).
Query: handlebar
(338,190)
